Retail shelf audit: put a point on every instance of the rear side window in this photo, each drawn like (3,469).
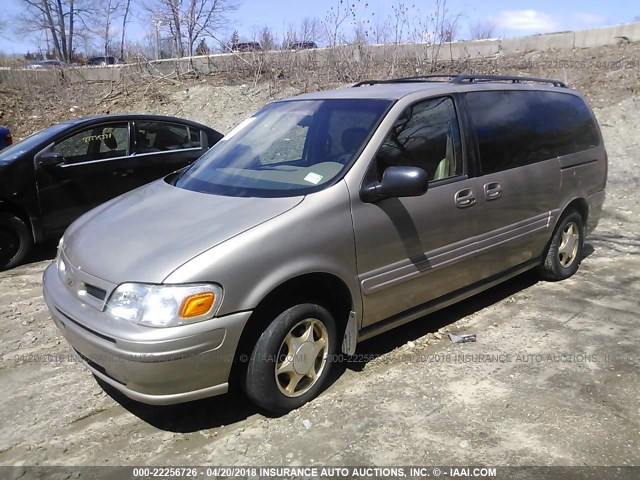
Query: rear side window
(516,128)
(154,137)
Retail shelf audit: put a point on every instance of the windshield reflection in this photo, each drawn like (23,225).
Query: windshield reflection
(288,148)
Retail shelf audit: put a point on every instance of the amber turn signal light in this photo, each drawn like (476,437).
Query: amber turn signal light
(196,305)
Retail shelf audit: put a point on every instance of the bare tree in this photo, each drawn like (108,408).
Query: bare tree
(449,29)
(380,31)
(360,21)
(110,11)
(360,34)
(125,19)
(40,17)
(264,36)
(203,48)
(400,22)
(310,30)
(433,28)
(289,37)
(175,22)
(267,39)
(189,20)
(482,29)
(57,18)
(147,48)
(337,15)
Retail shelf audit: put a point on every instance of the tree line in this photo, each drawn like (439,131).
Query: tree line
(177,28)
(62,28)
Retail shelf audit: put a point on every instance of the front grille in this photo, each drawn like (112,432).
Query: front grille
(96,292)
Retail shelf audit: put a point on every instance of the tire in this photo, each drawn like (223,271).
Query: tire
(305,365)
(15,241)
(565,249)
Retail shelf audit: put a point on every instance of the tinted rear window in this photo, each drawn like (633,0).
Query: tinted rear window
(516,128)
(152,136)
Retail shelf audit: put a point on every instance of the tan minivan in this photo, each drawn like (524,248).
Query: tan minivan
(323,220)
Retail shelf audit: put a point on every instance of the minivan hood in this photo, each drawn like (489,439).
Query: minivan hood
(143,235)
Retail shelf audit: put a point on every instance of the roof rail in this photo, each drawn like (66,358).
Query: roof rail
(461,78)
(506,78)
(421,78)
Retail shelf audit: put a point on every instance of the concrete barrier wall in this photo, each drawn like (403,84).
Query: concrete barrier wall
(347,53)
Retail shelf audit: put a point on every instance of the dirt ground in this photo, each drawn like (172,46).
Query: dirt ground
(553,379)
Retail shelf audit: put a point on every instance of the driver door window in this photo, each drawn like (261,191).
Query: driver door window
(96,143)
(427,136)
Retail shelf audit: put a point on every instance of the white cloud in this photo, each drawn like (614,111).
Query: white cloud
(531,21)
(534,21)
(589,20)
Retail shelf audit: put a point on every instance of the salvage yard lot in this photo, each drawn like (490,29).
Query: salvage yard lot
(553,379)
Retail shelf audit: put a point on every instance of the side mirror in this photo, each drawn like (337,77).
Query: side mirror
(50,159)
(397,182)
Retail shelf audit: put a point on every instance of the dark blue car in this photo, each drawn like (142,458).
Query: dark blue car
(5,137)
(52,177)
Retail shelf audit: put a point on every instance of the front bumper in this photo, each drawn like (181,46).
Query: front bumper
(159,366)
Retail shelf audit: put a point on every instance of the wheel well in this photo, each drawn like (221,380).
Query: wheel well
(17,212)
(580,206)
(322,288)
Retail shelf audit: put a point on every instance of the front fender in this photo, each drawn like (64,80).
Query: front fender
(316,236)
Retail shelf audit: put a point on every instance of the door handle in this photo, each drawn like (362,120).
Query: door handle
(465,198)
(122,172)
(492,191)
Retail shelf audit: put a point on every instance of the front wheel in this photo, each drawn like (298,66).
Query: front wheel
(565,250)
(15,241)
(291,360)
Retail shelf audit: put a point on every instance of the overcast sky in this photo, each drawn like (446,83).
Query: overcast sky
(512,17)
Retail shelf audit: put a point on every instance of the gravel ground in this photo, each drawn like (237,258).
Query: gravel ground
(552,380)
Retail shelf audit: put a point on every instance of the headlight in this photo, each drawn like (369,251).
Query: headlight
(59,249)
(62,268)
(164,305)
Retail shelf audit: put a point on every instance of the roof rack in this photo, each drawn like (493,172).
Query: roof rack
(461,78)
(422,78)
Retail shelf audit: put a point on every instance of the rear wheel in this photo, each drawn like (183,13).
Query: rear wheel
(565,250)
(15,241)
(291,360)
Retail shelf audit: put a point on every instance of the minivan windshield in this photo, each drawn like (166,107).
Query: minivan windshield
(16,150)
(288,148)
